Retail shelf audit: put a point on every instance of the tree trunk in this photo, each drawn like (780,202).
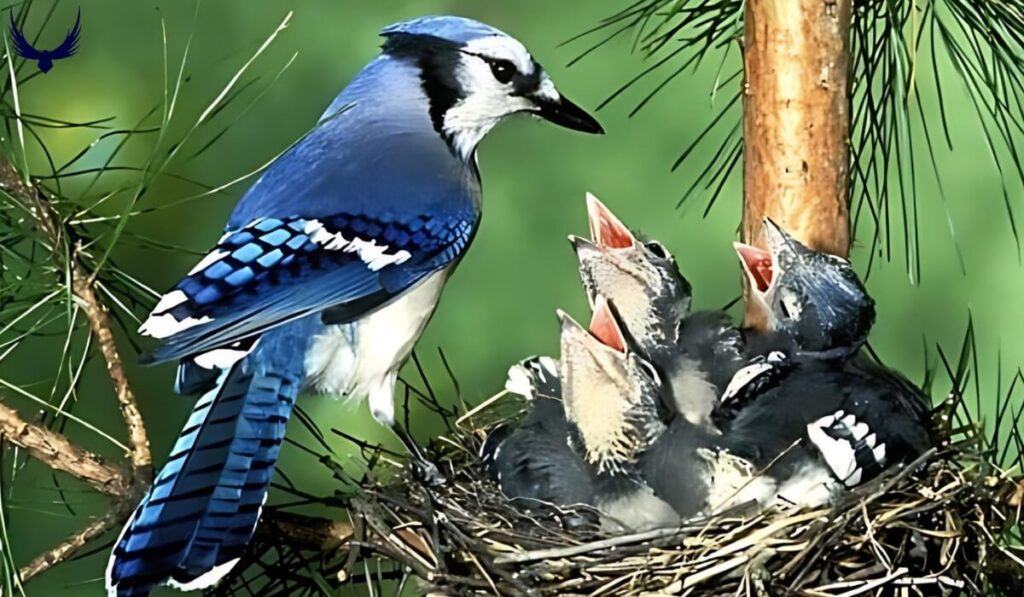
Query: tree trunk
(796,123)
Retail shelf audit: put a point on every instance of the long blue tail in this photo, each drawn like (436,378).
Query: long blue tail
(194,523)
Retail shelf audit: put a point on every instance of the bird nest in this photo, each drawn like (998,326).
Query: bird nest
(947,523)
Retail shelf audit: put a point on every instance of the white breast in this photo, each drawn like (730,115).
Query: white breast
(362,359)
(640,510)
(695,396)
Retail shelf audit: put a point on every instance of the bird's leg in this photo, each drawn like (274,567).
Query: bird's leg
(422,469)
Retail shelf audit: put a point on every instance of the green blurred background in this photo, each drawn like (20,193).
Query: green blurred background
(500,306)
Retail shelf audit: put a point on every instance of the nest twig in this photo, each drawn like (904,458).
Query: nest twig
(931,525)
(944,523)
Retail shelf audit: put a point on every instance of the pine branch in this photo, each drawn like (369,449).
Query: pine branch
(71,545)
(99,321)
(57,452)
(60,454)
(898,96)
(83,287)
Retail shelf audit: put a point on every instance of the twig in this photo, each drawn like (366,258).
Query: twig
(70,545)
(310,533)
(83,287)
(55,451)
(874,584)
(99,321)
(575,550)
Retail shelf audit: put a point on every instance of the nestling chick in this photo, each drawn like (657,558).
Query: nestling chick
(696,353)
(650,473)
(810,408)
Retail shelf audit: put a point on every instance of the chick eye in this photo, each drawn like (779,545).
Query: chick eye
(503,70)
(789,305)
(657,249)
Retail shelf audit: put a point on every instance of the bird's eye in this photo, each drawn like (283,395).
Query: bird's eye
(503,70)
(657,249)
(789,304)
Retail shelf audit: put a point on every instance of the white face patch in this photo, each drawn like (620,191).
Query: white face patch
(547,91)
(375,256)
(502,47)
(486,100)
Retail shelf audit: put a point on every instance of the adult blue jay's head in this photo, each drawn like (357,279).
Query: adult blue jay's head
(639,276)
(475,75)
(815,297)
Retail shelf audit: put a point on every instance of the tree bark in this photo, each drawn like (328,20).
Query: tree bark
(796,123)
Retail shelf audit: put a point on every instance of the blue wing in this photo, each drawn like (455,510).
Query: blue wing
(368,204)
(275,270)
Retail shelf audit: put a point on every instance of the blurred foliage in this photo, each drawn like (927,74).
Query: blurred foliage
(500,306)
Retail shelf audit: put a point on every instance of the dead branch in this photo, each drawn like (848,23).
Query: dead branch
(99,321)
(70,545)
(57,452)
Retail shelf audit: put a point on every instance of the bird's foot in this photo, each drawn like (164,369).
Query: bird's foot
(426,472)
(422,469)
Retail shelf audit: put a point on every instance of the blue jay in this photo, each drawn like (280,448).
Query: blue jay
(532,461)
(810,406)
(329,269)
(611,400)
(697,353)
(648,471)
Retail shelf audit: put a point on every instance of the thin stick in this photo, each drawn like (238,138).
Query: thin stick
(99,321)
(82,285)
(575,550)
(69,546)
(55,451)
(304,532)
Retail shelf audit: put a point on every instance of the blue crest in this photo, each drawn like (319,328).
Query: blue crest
(459,30)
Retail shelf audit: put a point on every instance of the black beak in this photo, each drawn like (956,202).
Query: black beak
(565,113)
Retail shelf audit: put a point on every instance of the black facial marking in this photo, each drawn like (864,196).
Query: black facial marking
(437,60)
(523,85)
